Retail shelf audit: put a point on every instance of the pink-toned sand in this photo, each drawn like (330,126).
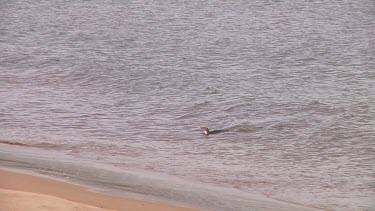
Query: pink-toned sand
(26,192)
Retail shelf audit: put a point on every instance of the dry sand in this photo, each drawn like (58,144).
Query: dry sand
(18,200)
(26,192)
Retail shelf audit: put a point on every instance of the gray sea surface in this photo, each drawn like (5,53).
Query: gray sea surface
(128,84)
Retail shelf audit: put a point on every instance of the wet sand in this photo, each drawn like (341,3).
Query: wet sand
(20,191)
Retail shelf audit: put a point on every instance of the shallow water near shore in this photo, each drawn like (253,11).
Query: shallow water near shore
(128,85)
(145,185)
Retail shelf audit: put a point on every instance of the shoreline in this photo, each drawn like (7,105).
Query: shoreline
(123,184)
(20,190)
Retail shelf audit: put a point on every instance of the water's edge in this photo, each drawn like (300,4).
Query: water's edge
(135,184)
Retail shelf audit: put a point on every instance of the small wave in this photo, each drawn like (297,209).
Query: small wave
(38,145)
(47,146)
(188,116)
(13,143)
(237,107)
(211,90)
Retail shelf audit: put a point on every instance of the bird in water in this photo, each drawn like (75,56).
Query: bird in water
(207,132)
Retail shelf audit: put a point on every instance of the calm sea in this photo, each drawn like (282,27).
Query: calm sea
(97,89)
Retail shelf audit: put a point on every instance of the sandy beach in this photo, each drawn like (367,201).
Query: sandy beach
(20,191)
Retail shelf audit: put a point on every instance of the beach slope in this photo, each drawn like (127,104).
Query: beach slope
(20,191)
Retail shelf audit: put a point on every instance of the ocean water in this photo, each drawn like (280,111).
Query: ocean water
(111,92)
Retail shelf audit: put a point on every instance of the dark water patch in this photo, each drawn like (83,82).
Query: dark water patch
(245,128)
